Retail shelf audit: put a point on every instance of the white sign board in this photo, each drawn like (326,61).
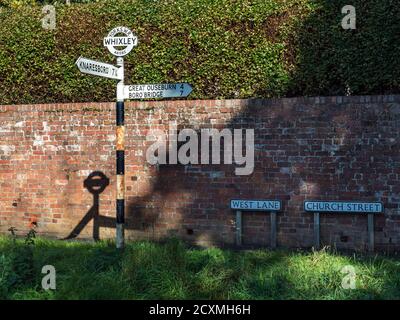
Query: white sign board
(98,68)
(120,45)
(343,206)
(256,205)
(153,91)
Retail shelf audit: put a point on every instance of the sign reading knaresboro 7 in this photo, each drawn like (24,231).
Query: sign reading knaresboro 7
(98,68)
(157,91)
(120,46)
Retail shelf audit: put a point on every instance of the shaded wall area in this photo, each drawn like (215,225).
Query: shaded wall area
(325,148)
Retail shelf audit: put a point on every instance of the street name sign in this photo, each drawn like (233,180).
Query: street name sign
(98,68)
(271,206)
(368,208)
(343,206)
(153,91)
(120,46)
(256,205)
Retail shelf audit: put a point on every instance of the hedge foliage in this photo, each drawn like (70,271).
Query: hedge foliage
(224,48)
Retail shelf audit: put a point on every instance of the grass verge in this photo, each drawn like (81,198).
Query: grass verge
(172,270)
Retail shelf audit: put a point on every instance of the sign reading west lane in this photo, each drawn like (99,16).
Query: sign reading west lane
(98,68)
(343,206)
(157,91)
(256,205)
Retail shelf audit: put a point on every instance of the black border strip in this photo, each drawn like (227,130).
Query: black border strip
(120,113)
(120,211)
(120,162)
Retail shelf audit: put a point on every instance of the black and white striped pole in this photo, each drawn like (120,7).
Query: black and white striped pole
(119,47)
(120,153)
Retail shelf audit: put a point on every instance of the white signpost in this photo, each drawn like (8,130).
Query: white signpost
(271,206)
(344,207)
(120,41)
(161,90)
(98,68)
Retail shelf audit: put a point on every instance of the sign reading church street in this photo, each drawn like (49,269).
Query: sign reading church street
(343,206)
(161,90)
(256,205)
(98,68)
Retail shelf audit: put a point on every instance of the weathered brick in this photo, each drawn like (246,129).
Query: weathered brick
(321,148)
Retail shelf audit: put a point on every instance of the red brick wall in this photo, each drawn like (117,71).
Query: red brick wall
(333,148)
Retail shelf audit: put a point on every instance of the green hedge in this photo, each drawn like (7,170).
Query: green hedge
(224,48)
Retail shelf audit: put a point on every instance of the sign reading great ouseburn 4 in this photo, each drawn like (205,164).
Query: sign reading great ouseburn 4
(160,90)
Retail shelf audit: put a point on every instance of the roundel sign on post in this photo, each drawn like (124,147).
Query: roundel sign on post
(120,41)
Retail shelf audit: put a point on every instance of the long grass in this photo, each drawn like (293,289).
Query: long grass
(172,270)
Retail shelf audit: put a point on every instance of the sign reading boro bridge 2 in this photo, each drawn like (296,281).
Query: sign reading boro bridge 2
(120,41)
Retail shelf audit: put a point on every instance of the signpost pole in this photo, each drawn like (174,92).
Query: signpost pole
(120,147)
(238,227)
(371,232)
(316,231)
(273,229)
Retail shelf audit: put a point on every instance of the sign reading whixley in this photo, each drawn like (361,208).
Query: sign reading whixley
(256,205)
(342,206)
(120,46)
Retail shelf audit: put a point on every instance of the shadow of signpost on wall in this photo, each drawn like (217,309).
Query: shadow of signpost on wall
(95,183)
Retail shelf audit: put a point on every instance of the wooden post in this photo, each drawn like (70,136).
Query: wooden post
(371,239)
(238,228)
(316,231)
(273,229)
